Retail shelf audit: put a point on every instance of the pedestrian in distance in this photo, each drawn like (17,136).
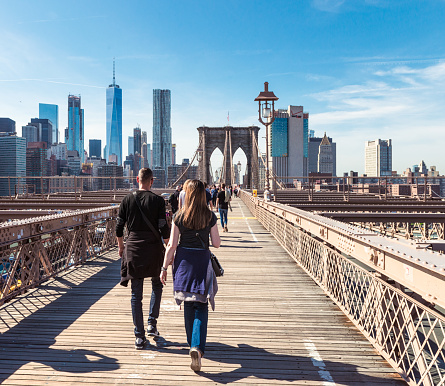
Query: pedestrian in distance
(181,199)
(174,199)
(214,192)
(143,212)
(222,201)
(208,196)
(194,280)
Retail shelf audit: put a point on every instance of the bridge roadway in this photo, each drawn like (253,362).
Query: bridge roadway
(272,325)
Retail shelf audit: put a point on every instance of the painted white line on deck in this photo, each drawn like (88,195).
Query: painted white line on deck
(317,361)
(248,226)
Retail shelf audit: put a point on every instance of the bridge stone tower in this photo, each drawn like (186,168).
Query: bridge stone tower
(229,139)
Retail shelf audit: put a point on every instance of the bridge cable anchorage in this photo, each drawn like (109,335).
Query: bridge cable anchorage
(188,167)
(280,183)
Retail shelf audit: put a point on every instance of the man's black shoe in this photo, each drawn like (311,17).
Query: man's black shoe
(152,330)
(140,343)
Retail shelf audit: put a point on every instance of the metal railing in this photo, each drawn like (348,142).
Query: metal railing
(33,250)
(396,300)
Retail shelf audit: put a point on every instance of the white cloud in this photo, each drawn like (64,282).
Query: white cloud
(404,104)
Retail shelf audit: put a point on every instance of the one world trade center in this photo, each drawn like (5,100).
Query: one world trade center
(113,149)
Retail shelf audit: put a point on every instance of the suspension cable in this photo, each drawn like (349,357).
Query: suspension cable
(190,164)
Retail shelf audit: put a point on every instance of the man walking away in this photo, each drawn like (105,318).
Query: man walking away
(144,214)
(223,206)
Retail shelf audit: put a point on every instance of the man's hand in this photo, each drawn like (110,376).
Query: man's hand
(163,277)
(120,243)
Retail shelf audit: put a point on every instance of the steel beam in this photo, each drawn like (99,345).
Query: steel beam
(420,270)
(386,217)
(18,230)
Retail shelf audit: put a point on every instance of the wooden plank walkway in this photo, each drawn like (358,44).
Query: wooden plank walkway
(272,325)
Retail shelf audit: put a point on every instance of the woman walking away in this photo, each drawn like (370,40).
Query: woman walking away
(194,281)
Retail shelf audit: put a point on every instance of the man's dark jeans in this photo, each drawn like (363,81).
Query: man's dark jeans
(137,289)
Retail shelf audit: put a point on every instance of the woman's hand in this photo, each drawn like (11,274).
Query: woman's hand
(163,277)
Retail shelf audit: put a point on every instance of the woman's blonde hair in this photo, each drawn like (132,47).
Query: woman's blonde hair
(195,214)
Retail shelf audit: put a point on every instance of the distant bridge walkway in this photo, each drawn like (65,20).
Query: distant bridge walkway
(272,325)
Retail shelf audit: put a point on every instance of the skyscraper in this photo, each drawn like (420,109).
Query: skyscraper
(74,134)
(130,145)
(144,149)
(145,155)
(306,134)
(378,158)
(114,121)
(173,153)
(7,125)
(51,112)
(162,131)
(144,137)
(313,151)
(95,148)
(287,136)
(30,133)
(36,165)
(137,141)
(149,155)
(12,163)
(46,130)
(325,157)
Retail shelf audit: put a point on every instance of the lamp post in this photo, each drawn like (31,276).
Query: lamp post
(266,107)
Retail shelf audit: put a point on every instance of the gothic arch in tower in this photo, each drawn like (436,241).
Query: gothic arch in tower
(229,139)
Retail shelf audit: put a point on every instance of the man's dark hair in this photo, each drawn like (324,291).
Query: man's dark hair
(145,175)
(223,186)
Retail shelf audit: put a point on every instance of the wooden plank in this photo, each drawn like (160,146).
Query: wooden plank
(269,319)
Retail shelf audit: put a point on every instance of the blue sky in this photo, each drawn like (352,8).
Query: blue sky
(363,69)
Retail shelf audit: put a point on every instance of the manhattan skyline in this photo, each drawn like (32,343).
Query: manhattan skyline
(363,69)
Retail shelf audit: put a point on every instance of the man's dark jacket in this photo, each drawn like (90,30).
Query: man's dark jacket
(144,252)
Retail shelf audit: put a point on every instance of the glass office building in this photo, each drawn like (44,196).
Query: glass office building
(95,148)
(130,145)
(114,122)
(46,130)
(278,138)
(7,125)
(12,164)
(51,112)
(74,134)
(137,140)
(162,131)
(306,134)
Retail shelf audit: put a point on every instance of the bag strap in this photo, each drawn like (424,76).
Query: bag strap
(147,221)
(202,242)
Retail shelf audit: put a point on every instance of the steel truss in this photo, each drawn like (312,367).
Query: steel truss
(372,283)
(31,251)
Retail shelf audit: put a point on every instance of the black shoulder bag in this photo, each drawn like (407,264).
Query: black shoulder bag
(147,221)
(219,270)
